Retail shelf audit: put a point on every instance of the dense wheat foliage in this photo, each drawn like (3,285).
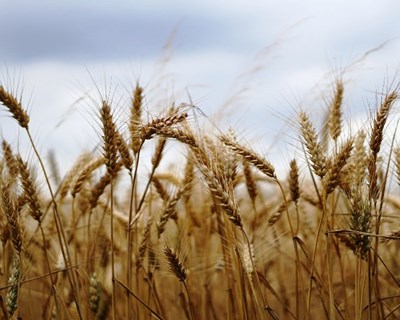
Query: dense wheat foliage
(220,234)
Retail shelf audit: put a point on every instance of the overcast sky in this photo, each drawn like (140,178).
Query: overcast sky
(259,61)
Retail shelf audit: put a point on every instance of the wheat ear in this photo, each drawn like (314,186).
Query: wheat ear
(30,190)
(135,122)
(333,176)
(13,282)
(15,107)
(9,209)
(314,149)
(256,160)
(335,118)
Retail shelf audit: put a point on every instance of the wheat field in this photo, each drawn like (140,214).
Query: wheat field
(218,235)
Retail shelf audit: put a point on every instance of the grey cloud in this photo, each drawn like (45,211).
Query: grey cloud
(72,33)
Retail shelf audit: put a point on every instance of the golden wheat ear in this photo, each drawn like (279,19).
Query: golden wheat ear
(135,122)
(332,178)
(14,107)
(110,146)
(95,290)
(10,160)
(397,163)
(256,160)
(380,121)
(335,111)
(175,265)
(13,282)
(161,126)
(314,149)
(30,190)
(294,185)
(10,211)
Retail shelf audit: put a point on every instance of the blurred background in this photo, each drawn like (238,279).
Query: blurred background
(247,64)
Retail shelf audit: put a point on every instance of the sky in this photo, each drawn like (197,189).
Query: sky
(254,63)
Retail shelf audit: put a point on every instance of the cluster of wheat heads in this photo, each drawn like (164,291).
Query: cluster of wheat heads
(219,236)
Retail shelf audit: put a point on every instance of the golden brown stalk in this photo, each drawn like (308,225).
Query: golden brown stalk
(394,235)
(110,146)
(294,181)
(15,107)
(314,149)
(30,191)
(332,177)
(335,116)
(135,122)
(110,153)
(256,160)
